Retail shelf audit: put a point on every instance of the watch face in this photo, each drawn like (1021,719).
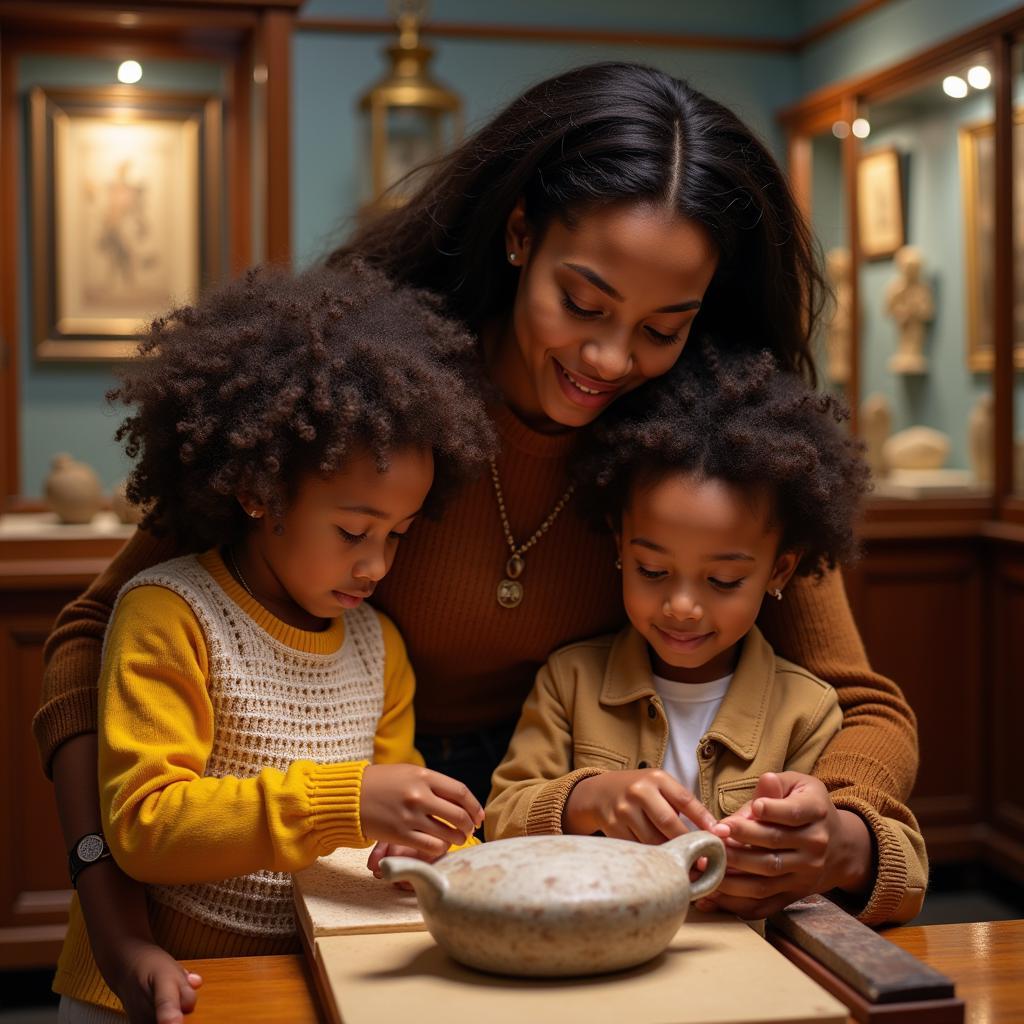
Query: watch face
(90,848)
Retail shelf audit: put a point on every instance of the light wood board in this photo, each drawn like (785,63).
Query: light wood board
(716,971)
(338,896)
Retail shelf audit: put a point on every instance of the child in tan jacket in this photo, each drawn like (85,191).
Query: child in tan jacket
(722,483)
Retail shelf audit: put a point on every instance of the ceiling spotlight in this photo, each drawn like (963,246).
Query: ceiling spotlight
(129,72)
(979,77)
(955,86)
(861,127)
(840,129)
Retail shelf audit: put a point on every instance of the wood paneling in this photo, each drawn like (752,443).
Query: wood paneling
(919,609)
(1007,737)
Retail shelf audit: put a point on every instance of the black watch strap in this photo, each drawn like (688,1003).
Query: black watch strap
(89,850)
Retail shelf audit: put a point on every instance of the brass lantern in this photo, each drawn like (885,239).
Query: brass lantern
(409,118)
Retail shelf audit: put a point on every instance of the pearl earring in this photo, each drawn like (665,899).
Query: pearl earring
(511,257)
(776,593)
(618,563)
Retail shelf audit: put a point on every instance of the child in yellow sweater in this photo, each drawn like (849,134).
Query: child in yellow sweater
(722,481)
(255,714)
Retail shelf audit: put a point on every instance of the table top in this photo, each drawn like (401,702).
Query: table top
(985,960)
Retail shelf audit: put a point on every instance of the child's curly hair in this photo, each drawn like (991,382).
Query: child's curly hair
(740,419)
(275,375)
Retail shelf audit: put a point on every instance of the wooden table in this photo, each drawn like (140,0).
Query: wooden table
(986,961)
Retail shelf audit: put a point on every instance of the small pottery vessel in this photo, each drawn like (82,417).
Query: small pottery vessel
(73,490)
(123,508)
(555,906)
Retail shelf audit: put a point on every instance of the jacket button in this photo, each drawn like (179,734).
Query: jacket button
(652,711)
(641,764)
(707,751)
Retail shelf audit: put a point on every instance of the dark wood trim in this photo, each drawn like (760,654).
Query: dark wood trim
(545,34)
(239,154)
(838,21)
(275,38)
(1003,375)
(10,215)
(877,85)
(850,157)
(601,36)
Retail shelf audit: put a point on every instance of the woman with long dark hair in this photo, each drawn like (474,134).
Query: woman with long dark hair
(585,233)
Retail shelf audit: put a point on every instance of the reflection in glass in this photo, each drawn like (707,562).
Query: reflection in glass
(926,403)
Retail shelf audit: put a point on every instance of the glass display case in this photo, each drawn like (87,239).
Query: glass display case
(925,233)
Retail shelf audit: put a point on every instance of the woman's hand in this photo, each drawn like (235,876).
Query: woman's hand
(787,842)
(153,987)
(418,808)
(642,804)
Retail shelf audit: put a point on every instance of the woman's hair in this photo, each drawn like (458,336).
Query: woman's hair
(602,134)
(740,419)
(274,376)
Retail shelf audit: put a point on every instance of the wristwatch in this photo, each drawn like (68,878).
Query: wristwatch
(90,849)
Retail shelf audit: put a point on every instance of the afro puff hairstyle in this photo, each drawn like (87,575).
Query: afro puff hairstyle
(274,376)
(740,419)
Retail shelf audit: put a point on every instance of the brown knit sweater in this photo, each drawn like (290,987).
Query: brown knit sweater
(475,661)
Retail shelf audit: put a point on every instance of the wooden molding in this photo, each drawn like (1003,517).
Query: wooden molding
(600,36)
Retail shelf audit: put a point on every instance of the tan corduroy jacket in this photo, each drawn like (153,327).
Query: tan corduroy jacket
(594,708)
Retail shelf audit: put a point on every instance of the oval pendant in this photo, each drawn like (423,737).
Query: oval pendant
(514,567)
(510,593)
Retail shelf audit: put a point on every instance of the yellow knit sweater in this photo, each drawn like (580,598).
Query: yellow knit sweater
(167,820)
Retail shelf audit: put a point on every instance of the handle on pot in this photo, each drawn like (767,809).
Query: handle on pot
(688,849)
(430,884)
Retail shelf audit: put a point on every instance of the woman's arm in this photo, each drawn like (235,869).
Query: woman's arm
(74,649)
(876,750)
(142,975)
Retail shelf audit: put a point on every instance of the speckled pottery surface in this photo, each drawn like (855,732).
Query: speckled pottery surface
(73,489)
(556,906)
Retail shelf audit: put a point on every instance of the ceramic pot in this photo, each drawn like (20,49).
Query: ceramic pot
(556,906)
(73,490)
(123,508)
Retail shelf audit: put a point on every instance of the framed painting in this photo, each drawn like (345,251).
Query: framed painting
(880,219)
(126,213)
(977,183)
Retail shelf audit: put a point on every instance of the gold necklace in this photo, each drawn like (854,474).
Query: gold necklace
(238,572)
(510,590)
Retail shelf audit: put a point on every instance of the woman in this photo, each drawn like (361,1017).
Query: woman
(585,233)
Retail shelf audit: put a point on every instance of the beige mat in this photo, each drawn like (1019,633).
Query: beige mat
(716,971)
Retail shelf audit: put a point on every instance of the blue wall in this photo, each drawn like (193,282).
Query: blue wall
(62,404)
(332,71)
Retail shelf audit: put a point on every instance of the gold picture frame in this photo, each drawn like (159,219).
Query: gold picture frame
(880,219)
(977,183)
(126,213)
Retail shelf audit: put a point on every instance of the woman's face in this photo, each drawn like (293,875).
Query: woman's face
(600,308)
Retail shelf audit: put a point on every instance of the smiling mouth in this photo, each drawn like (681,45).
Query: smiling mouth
(683,640)
(591,387)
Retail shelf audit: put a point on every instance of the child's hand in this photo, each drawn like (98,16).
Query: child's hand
(418,808)
(382,850)
(154,988)
(642,805)
(788,842)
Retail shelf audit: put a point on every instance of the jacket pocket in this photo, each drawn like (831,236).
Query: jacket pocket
(590,755)
(733,795)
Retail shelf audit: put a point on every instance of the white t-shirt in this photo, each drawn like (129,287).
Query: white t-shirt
(690,709)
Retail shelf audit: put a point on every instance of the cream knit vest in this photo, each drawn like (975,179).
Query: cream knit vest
(272,705)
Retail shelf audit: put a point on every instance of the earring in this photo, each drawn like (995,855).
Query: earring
(512,257)
(776,593)
(618,563)
(254,513)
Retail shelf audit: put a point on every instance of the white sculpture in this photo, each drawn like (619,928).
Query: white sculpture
(981,439)
(837,333)
(875,427)
(909,301)
(916,448)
